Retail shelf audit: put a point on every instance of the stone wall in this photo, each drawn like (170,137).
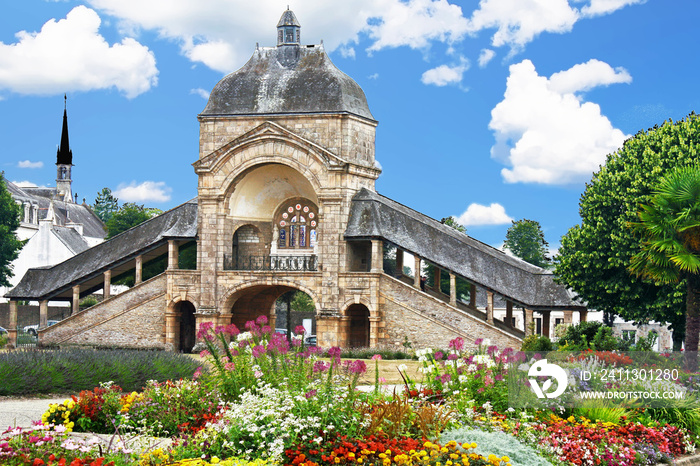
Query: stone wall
(429,322)
(132,319)
(29,314)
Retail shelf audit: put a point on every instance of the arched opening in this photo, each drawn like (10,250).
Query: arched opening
(358,326)
(295,309)
(186,325)
(250,303)
(247,249)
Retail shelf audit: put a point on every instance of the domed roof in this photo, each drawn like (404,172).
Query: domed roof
(288,79)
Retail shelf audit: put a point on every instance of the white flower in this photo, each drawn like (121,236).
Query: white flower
(486,342)
(403,367)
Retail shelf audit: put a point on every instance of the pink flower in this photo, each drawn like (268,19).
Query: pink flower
(357,367)
(439,355)
(300,330)
(232,330)
(204,329)
(334,352)
(377,357)
(204,354)
(478,341)
(457,344)
(261,320)
(196,374)
(229,366)
(258,351)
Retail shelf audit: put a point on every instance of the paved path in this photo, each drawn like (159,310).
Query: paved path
(22,412)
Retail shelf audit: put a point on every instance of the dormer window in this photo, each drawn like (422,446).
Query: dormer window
(288,29)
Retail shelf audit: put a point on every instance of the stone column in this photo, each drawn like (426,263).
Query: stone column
(377,256)
(529,321)
(436,284)
(399,262)
(172,330)
(509,313)
(374,331)
(106,287)
(568,317)
(43,314)
(416,271)
(453,289)
(12,331)
(472,295)
(138,270)
(545,323)
(489,307)
(583,315)
(76,299)
(173,251)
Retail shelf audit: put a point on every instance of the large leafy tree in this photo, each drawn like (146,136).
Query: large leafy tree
(526,240)
(9,222)
(105,205)
(669,227)
(128,216)
(594,256)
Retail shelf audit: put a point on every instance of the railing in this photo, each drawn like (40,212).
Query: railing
(307,263)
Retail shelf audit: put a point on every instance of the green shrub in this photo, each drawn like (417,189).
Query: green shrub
(33,371)
(604,340)
(581,335)
(600,410)
(497,443)
(367,353)
(537,343)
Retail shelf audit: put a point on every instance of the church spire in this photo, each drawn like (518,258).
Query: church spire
(64,161)
(64,156)
(288,29)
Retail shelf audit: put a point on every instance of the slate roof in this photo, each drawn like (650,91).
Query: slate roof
(41,283)
(375,216)
(71,238)
(287,79)
(65,212)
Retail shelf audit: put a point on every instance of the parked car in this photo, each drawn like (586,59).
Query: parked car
(33,329)
(310,340)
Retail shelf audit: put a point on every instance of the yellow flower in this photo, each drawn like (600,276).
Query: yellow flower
(214,459)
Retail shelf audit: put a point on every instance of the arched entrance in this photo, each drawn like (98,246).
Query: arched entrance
(250,303)
(186,325)
(358,326)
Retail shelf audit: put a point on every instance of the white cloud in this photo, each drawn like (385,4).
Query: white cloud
(148,191)
(477,214)
(25,184)
(71,55)
(373,76)
(204,94)
(586,76)
(603,7)
(444,74)
(415,23)
(221,33)
(485,57)
(30,164)
(518,22)
(545,132)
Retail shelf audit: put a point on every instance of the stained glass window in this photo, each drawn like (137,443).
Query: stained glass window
(297,226)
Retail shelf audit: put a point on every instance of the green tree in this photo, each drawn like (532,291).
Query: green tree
(594,255)
(9,222)
(105,204)
(452,222)
(526,240)
(128,216)
(669,227)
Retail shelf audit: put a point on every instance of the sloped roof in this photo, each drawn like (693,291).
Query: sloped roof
(287,79)
(41,283)
(65,212)
(71,238)
(375,216)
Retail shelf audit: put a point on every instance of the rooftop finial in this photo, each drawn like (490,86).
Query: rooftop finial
(65,102)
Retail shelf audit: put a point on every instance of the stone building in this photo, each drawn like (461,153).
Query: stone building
(286,201)
(55,226)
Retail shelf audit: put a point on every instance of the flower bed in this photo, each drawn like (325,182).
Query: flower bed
(272,401)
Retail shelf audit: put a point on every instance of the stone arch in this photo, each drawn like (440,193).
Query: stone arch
(251,299)
(182,325)
(273,151)
(358,327)
(246,243)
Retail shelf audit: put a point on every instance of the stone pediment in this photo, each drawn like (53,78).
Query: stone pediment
(266,132)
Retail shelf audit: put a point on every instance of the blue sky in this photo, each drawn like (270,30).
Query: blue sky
(488,110)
